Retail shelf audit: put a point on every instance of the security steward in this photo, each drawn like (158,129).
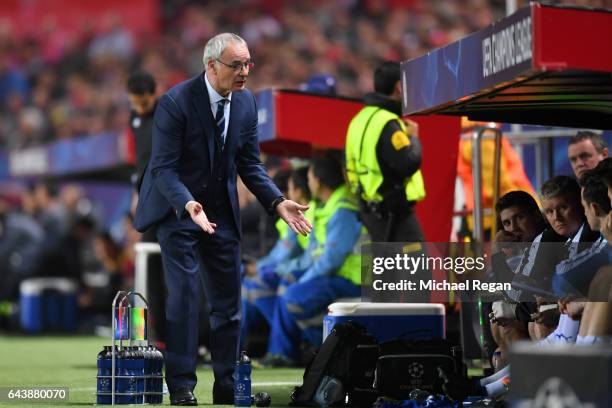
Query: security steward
(383,156)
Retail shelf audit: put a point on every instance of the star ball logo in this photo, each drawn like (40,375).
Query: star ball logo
(555,392)
(416,370)
(240,388)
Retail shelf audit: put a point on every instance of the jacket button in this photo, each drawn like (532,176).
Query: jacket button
(204,185)
(219,178)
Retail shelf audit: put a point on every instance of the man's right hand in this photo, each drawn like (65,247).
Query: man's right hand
(505,242)
(198,216)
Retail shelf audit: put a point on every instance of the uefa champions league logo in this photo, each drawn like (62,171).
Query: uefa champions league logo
(416,370)
(240,388)
(556,393)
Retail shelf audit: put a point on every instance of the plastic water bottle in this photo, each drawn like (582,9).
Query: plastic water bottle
(153,371)
(123,382)
(104,368)
(148,370)
(138,373)
(155,382)
(242,381)
(103,380)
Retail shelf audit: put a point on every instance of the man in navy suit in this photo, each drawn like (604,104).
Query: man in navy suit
(204,134)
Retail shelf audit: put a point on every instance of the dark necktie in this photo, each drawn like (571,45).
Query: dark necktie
(220,119)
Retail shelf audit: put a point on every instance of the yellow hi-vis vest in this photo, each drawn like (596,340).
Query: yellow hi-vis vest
(362,168)
(282,228)
(351,268)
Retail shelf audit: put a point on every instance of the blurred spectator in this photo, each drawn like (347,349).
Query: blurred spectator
(20,250)
(49,211)
(96,297)
(143,100)
(113,41)
(320,83)
(12,80)
(60,248)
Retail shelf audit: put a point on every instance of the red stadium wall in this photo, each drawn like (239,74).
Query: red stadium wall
(70,16)
(439,137)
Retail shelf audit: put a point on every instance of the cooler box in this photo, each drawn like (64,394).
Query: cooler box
(47,304)
(386,321)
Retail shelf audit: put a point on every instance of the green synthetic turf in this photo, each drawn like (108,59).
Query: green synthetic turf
(71,362)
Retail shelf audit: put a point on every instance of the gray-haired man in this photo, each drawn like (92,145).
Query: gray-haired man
(204,135)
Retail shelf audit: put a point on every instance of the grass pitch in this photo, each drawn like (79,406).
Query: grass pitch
(71,362)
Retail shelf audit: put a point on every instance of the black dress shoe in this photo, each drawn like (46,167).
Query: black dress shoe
(223,396)
(183,398)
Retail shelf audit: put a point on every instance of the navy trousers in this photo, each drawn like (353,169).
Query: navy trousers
(192,257)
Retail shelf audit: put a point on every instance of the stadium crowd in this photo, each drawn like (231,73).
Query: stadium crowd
(57,85)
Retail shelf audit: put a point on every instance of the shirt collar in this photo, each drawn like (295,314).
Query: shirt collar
(576,238)
(212,94)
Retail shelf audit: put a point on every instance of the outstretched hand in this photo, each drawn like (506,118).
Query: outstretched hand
(292,213)
(196,211)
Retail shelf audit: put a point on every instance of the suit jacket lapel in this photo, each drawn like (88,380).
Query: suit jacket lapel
(202,106)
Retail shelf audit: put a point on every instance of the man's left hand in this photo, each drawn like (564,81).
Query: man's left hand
(292,213)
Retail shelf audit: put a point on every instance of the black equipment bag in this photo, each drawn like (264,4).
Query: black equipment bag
(349,355)
(404,366)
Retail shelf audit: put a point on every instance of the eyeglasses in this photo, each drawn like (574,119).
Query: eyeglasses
(237,65)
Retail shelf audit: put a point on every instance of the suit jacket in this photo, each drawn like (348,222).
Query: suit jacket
(182,157)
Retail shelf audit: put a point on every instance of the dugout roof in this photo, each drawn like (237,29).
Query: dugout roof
(543,65)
